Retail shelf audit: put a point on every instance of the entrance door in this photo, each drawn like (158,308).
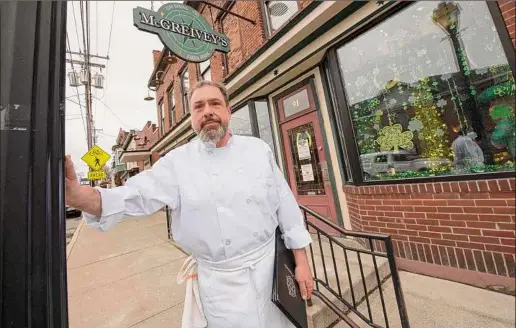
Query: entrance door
(304,152)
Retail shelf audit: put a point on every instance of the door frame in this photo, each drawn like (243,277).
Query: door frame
(306,78)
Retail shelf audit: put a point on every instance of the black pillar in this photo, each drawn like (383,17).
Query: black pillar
(32,212)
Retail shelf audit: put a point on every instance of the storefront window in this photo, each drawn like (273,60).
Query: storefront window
(185,87)
(430,92)
(264,123)
(240,123)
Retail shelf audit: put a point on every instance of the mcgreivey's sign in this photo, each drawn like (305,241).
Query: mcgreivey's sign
(182,30)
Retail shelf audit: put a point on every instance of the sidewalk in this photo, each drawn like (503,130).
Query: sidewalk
(125,277)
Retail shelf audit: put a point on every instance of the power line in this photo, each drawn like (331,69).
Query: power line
(76,27)
(76,88)
(111,28)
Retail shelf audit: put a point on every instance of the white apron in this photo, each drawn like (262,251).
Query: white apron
(234,293)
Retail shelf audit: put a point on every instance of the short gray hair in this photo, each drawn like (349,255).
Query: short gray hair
(205,83)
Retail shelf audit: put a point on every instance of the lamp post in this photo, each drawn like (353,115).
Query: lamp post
(447,17)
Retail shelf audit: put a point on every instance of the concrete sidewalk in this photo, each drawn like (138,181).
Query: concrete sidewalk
(125,277)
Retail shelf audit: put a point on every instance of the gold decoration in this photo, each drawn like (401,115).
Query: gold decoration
(393,137)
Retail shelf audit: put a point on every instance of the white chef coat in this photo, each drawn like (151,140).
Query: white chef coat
(225,201)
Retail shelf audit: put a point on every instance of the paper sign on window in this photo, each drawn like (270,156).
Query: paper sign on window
(307,172)
(303,143)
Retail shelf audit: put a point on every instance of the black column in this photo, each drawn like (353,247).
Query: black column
(32,219)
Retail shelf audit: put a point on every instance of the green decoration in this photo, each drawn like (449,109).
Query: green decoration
(506,89)
(501,111)
(393,137)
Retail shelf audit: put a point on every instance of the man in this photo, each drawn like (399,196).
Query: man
(227,197)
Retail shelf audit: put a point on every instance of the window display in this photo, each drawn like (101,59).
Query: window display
(431,97)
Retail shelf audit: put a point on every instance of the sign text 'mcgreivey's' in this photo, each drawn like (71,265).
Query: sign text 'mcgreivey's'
(182,29)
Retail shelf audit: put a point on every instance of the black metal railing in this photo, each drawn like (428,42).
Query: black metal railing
(355,298)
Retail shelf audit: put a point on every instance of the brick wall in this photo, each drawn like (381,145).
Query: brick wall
(508,9)
(465,225)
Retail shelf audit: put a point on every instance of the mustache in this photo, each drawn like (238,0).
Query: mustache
(210,120)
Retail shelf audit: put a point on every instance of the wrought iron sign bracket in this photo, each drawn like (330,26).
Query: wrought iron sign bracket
(229,12)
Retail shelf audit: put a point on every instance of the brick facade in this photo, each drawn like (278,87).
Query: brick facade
(467,225)
(508,9)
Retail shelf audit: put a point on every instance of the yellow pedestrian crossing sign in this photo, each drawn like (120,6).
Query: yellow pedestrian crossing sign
(96,175)
(96,158)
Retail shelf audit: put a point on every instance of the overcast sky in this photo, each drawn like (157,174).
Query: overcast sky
(121,103)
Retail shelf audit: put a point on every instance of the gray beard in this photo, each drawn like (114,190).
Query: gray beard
(212,135)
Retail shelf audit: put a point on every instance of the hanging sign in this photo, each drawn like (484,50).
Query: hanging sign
(182,30)
(96,175)
(96,158)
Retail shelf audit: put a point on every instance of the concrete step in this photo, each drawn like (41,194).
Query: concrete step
(320,315)
(436,303)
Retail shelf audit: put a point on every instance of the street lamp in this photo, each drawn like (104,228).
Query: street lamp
(149,97)
(446,16)
(169,58)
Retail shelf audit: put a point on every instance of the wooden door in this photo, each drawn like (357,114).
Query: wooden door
(306,159)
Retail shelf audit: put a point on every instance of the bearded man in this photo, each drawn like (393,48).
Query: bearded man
(227,197)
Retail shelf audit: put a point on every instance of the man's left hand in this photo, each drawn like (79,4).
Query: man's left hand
(303,274)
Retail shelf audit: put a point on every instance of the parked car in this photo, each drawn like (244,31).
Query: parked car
(72,212)
(401,161)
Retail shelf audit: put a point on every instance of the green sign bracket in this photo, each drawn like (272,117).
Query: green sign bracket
(182,30)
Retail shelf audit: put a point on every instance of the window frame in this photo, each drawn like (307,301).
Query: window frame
(171,94)
(201,72)
(339,104)
(184,95)
(162,127)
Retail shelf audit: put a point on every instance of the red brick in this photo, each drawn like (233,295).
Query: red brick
(428,253)
(440,229)
(449,236)
(377,224)
(443,242)
(490,265)
(506,226)
(385,208)
(446,187)
(485,240)
(447,196)
(464,186)
(389,231)
(419,239)
(470,260)
(412,202)
(482,225)
(466,231)
(413,250)
(455,186)
(512,182)
(408,232)
(438,187)
(428,222)
(511,202)
(504,185)
(452,257)
(399,237)
(375,213)
(509,261)
(498,233)
(407,221)
(434,202)
(494,218)
(465,217)
(500,264)
(493,185)
(444,256)
(435,254)
(501,195)
(479,210)
(391,202)
(438,216)
(416,227)
(449,209)
(489,202)
(414,215)
(500,248)
(369,218)
(464,244)
(508,241)
(479,261)
(461,202)
(433,235)
(478,195)
(425,209)
(461,259)
(395,226)
(453,223)
(394,214)
(473,186)
(503,210)
(483,186)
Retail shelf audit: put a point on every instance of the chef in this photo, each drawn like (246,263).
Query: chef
(227,197)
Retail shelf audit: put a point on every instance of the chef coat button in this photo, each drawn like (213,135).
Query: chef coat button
(240,171)
(248,201)
(214,176)
(228,242)
(256,234)
(210,152)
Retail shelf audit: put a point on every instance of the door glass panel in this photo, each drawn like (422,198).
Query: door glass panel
(305,159)
(264,123)
(296,103)
(240,123)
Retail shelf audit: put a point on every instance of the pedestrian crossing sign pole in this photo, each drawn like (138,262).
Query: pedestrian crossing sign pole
(96,157)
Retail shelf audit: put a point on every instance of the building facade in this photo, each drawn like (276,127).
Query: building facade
(386,117)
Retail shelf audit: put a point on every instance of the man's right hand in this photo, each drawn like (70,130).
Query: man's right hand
(84,198)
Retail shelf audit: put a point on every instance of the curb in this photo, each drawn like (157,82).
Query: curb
(69,247)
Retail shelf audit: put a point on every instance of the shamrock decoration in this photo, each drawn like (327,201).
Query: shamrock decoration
(392,137)
(439,132)
(376,127)
(502,111)
(441,103)
(415,125)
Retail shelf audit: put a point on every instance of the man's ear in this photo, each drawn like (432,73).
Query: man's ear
(229,110)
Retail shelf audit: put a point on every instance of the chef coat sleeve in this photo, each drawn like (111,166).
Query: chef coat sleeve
(290,218)
(142,194)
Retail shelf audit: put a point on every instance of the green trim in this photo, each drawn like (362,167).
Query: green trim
(274,39)
(326,146)
(350,9)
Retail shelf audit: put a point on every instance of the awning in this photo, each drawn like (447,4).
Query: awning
(135,156)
